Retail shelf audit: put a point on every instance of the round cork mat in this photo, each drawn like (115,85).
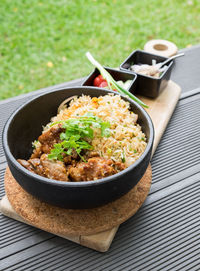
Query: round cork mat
(76,222)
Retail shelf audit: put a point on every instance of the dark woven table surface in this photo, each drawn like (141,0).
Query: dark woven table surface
(164,234)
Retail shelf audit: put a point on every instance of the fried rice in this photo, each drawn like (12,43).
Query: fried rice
(126,142)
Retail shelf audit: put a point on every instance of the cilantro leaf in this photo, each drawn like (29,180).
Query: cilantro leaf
(76,131)
(105,129)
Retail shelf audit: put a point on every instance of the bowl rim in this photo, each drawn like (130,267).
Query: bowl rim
(147,76)
(97,182)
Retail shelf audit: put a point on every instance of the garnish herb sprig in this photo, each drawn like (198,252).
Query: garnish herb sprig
(76,131)
(111,82)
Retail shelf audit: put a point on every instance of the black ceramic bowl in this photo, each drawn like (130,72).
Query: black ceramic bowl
(147,85)
(25,125)
(116,74)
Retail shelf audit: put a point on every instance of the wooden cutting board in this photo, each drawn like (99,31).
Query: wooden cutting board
(160,110)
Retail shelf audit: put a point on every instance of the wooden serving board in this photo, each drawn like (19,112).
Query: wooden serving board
(160,110)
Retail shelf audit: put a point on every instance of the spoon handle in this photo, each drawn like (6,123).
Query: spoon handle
(171,58)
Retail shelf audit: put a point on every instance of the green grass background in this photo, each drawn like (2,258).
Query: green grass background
(44,42)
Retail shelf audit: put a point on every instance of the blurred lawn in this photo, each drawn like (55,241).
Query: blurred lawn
(44,42)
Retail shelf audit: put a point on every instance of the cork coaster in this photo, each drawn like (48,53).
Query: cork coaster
(71,222)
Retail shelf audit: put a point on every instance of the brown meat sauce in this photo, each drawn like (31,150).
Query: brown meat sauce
(95,168)
(71,169)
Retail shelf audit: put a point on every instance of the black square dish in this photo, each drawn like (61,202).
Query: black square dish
(148,85)
(116,74)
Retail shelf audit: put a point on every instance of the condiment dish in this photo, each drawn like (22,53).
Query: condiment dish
(147,85)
